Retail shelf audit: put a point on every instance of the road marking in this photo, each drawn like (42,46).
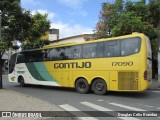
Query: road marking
(100,100)
(71,108)
(158,108)
(148,106)
(127,107)
(100,108)
(94,106)
(156,91)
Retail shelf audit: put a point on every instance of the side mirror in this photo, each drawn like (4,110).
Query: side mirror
(6,65)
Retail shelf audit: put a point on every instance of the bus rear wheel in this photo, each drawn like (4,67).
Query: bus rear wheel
(82,86)
(99,87)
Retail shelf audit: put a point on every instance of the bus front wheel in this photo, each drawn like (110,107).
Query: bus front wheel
(99,87)
(82,86)
(21,81)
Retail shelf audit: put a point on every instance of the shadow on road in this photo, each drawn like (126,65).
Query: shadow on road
(144,94)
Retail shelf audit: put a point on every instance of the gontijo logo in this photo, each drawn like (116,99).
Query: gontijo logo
(72,65)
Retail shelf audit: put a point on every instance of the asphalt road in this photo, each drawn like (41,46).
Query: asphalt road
(70,100)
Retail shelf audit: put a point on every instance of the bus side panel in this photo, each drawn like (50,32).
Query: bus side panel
(36,73)
(113,81)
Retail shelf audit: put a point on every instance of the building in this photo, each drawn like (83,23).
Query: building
(52,34)
(77,38)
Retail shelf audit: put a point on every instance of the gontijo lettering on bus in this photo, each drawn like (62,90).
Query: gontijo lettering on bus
(73,65)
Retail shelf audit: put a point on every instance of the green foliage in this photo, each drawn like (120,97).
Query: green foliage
(127,23)
(3,45)
(37,44)
(122,18)
(155,48)
(40,25)
(19,24)
(15,22)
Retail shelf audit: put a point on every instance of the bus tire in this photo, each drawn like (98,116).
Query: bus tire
(21,81)
(99,87)
(82,86)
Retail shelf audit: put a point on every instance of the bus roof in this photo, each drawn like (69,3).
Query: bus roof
(134,34)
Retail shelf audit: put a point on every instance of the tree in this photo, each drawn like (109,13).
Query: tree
(40,25)
(122,18)
(19,24)
(14,23)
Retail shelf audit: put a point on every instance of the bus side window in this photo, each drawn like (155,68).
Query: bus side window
(90,50)
(77,51)
(54,54)
(100,51)
(20,58)
(130,46)
(46,56)
(67,53)
(111,49)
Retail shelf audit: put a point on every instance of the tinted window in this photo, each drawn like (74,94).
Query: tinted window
(20,58)
(12,62)
(64,53)
(41,55)
(100,49)
(68,53)
(27,56)
(55,54)
(130,46)
(77,51)
(90,50)
(111,49)
(34,56)
(45,55)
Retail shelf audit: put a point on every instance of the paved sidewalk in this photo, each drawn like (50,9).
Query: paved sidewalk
(15,101)
(154,85)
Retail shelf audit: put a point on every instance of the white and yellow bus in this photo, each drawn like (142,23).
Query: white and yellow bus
(111,64)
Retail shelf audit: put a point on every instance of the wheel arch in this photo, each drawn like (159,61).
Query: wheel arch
(20,77)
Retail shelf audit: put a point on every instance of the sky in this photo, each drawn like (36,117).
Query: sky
(71,17)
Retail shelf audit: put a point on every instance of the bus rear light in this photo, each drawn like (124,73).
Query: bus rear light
(145,75)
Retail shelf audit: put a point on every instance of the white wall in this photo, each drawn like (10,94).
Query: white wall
(70,40)
(53,37)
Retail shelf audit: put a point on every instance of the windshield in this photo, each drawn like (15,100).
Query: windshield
(12,62)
